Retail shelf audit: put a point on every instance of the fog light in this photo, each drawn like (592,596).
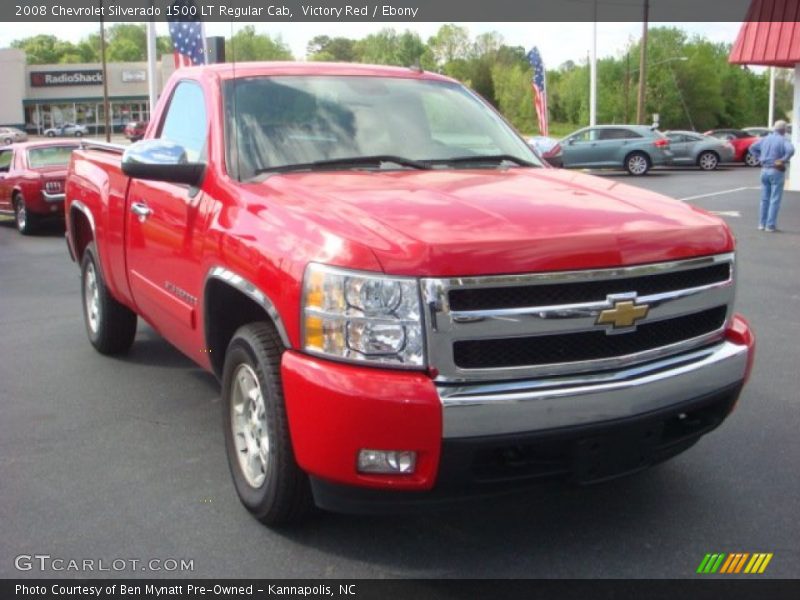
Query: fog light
(386,461)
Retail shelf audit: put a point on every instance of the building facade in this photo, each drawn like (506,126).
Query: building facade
(37,97)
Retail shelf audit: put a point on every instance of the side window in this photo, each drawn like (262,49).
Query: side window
(5,161)
(186,122)
(587,135)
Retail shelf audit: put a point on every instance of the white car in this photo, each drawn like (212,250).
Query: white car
(67,129)
(9,135)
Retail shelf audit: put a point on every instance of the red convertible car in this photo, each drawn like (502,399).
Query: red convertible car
(32,181)
(741,142)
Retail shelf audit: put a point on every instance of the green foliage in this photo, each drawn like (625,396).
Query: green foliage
(246,45)
(689,80)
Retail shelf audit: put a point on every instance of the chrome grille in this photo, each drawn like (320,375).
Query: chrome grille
(545,324)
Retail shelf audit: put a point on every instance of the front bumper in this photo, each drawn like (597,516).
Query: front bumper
(491,437)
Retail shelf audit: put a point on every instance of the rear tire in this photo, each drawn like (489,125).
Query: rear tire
(51,134)
(267,478)
(8,141)
(637,163)
(708,160)
(750,160)
(26,221)
(111,326)
(78,133)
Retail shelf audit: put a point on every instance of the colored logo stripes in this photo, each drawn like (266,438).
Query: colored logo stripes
(738,562)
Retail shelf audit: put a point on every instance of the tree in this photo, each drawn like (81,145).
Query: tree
(450,43)
(338,49)
(246,45)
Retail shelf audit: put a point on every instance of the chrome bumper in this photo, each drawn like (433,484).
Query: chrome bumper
(52,198)
(536,405)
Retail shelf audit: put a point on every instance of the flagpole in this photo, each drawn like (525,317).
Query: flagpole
(593,72)
(152,94)
(106,105)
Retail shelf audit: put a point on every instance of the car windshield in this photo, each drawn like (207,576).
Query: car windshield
(52,156)
(305,122)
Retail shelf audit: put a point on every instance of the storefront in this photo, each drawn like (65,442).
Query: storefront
(43,96)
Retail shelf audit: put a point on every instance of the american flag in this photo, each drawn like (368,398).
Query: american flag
(539,84)
(188,37)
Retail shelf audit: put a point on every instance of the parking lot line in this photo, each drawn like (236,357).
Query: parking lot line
(739,189)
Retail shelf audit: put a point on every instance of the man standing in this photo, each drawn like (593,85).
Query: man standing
(773,152)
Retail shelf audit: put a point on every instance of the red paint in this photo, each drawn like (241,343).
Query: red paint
(30,182)
(739,332)
(419,223)
(769,36)
(335,410)
(740,144)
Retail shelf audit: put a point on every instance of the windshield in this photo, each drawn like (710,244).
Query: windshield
(275,122)
(53,156)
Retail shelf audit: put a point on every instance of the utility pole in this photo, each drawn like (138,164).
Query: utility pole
(593,72)
(771,112)
(627,82)
(642,65)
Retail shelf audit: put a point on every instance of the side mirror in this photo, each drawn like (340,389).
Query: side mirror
(161,160)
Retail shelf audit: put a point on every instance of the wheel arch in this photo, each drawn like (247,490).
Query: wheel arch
(229,302)
(81,228)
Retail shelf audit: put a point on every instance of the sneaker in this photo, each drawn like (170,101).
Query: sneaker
(771,230)
(761,228)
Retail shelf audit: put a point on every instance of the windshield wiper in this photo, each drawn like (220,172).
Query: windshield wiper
(482,158)
(353,161)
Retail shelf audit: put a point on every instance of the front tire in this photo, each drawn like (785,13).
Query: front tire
(267,478)
(637,163)
(26,221)
(111,326)
(750,160)
(708,161)
(8,141)
(51,134)
(78,133)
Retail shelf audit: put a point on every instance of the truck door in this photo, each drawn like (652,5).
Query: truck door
(164,225)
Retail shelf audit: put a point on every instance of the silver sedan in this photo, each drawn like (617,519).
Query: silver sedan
(691,148)
(9,135)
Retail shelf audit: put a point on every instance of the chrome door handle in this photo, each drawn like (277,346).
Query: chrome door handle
(141,210)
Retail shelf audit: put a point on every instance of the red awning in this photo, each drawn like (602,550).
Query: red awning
(770,35)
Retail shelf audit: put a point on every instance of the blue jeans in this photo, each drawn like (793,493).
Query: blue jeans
(771,196)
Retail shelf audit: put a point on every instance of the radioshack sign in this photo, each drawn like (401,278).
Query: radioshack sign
(61,78)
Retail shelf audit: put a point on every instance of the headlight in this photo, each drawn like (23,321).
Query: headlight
(362,317)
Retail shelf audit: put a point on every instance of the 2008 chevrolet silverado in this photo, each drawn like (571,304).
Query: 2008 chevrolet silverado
(402,302)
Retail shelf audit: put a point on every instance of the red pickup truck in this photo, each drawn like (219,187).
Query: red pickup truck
(402,303)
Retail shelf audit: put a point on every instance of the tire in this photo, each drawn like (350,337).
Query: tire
(271,485)
(708,160)
(26,221)
(51,134)
(750,160)
(78,133)
(111,326)
(8,141)
(637,163)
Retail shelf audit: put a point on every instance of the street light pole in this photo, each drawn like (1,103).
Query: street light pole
(642,65)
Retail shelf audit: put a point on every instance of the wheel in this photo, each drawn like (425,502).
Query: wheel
(51,134)
(267,478)
(110,325)
(708,160)
(26,221)
(750,160)
(78,133)
(8,141)
(637,163)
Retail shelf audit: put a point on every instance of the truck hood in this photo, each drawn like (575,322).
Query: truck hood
(474,222)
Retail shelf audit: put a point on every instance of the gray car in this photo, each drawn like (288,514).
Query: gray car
(691,148)
(635,148)
(71,129)
(9,135)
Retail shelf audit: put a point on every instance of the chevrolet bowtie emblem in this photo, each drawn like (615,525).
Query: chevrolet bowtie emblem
(623,314)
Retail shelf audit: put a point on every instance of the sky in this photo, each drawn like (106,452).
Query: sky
(557,42)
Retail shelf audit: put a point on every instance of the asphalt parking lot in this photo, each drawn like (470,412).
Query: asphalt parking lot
(124,458)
